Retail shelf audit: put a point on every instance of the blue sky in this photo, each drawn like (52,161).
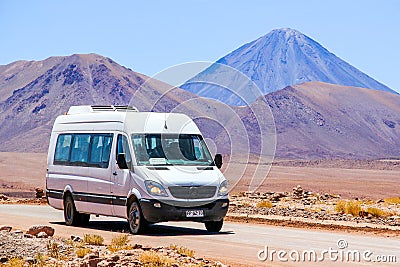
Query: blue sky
(149,36)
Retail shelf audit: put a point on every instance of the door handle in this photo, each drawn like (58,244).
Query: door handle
(115,173)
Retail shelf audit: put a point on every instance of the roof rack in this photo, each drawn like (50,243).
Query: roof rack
(90,109)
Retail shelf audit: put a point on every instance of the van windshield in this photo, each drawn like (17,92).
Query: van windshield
(171,149)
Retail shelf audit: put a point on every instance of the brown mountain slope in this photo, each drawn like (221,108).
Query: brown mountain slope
(320,120)
(34,93)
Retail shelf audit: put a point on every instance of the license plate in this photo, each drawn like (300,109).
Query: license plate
(194,213)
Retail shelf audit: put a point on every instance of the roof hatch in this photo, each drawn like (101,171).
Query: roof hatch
(91,109)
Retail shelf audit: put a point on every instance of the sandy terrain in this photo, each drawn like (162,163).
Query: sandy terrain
(22,172)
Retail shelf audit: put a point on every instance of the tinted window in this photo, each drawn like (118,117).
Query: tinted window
(63,146)
(123,148)
(100,150)
(80,149)
(83,150)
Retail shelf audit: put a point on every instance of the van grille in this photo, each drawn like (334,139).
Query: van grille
(193,192)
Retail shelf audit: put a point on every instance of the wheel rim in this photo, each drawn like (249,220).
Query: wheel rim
(68,211)
(134,217)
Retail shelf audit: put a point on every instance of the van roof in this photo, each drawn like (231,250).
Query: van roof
(85,118)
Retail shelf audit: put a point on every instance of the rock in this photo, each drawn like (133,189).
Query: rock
(39,192)
(28,236)
(105,263)
(36,229)
(277,196)
(93,262)
(17,232)
(3,259)
(115,258)
(76,238)
(93,255)
(3,197)
(380,201)
(5,228)
(30,260)
(42,235)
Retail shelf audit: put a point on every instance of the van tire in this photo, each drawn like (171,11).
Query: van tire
(71,216)
(136,221)
(214,226)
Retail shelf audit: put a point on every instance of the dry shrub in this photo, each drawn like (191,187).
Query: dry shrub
(182,250)
(349,207)
(246,204)
(53,249)
(40,260)
(392,200)
(153,259)
(264,204)
(96,240)
(376,212)
(81,252)
(119,243)
(14,262)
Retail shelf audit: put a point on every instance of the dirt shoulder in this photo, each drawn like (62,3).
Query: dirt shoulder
(41,248)
(306,209)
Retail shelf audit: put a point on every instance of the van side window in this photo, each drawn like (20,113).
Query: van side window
(63,146)
(100,150)
(123,148)
(80,149)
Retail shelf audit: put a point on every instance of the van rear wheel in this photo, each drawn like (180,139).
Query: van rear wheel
(214,226)
(71,216)
(135,218)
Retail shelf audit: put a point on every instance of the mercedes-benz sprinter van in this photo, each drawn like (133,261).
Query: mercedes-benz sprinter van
(146,167)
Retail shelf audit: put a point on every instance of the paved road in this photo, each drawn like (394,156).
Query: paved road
(237,243)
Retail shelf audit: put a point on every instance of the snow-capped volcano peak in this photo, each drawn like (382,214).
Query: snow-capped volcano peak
(279,59)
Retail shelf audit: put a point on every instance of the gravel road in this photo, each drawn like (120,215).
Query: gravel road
(238,244)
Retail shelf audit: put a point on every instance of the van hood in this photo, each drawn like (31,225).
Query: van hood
(183,175)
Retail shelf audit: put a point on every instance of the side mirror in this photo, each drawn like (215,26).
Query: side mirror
(121,161)
(218,160)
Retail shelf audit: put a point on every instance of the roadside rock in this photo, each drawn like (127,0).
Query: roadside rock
(36,229)
(42,235)
(39,192)
(76,238)
(5,228)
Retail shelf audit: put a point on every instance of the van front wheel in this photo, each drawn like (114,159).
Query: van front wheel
(214,226)
(135,218)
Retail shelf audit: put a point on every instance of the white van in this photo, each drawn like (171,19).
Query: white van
(146,167)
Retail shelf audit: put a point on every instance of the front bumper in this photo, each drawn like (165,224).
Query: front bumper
(213,211)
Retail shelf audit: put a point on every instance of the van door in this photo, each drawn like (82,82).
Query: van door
(121,177)
(99,199)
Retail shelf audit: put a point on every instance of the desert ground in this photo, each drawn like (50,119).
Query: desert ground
(309,208)
(379,179)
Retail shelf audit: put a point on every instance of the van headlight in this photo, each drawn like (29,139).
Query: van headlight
(155,188)
(223,188)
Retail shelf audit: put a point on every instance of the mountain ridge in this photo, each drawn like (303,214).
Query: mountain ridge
(281,58)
